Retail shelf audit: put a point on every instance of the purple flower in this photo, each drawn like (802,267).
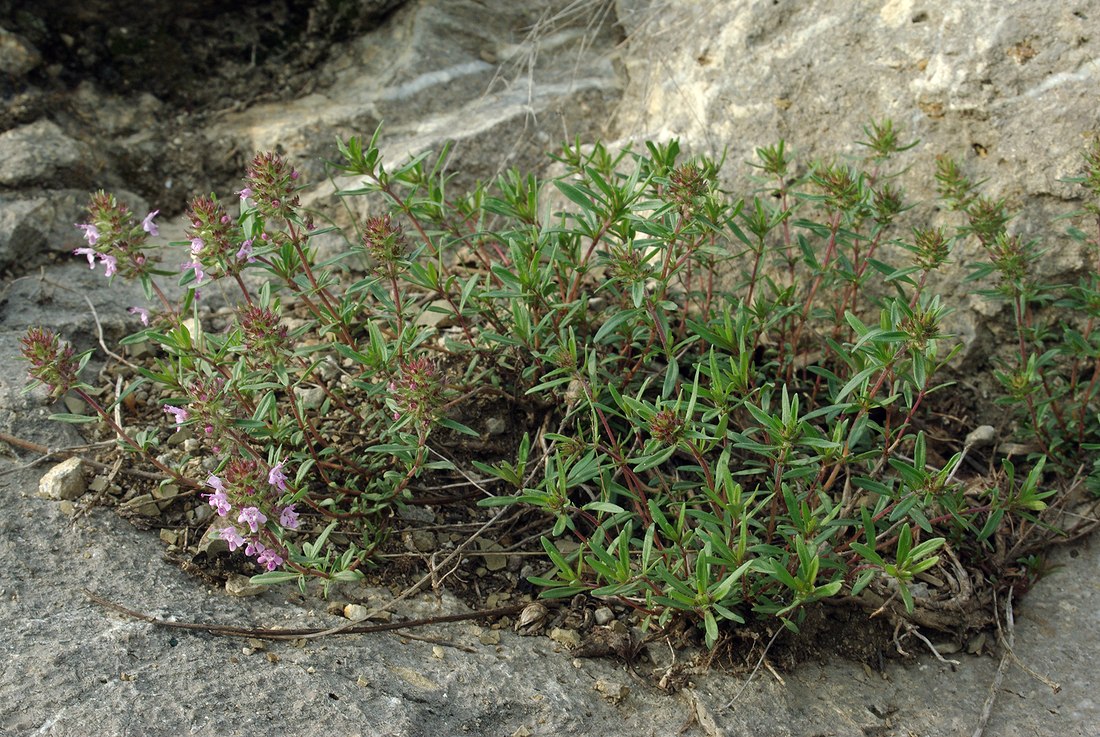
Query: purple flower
(252,517)
(245,253)
(149,226)
(215,483)
(245,193)
(231,536)
(288,518)
(110,262)
(140,312)
(220,502)
(91,232)
(255,547)
(276,477)
(199,273)
(196,246)
(89,252)
(270,559)
(181,415)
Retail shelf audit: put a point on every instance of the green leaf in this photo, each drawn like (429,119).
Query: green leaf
(711,627)
(457,427)
(74,419)
(274,577)
(607,507)
(580,197)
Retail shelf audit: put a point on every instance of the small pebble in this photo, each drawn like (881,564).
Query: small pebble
(238,585)
(612,691)
(356,612)
(603,615)
(63,481)
(569,638)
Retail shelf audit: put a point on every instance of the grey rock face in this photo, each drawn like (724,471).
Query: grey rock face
(40,154)
(17,55)
(1008,91)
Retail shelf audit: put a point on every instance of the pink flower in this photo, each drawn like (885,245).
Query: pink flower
(110,262)
(89,252)
(255,547)
(215,483)
(91,232)
(149,226)
(245,193)
(245,253)
(199,273)
(288,518)
(181,415)
(270,559)
(140,312)
(252,517)
(276,477)
(231,536)
(196,246)
(220,502)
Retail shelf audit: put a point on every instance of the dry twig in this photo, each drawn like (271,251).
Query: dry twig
(294,633)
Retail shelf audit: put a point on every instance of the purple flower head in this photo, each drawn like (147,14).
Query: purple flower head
(89,252)
(255,547)
(140,312)
(288,518)
(91,232)
(270,559)
(252,517)
(245,193)
(149,226)
(180,415)
(220,502)
(231,536)
(110,262)
(245,253)
(199,273)
(276,477)
(215,483)
(196,246)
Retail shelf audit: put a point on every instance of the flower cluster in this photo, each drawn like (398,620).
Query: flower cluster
(115,238)
(210,233)
(687,185)
(384,242)
(271,184)
(417,391)
(52,362)
(243,498)
(666,426)
(263,335)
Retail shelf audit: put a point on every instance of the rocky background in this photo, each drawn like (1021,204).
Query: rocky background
(160,101)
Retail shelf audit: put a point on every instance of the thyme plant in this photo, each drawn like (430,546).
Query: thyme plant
(723,403)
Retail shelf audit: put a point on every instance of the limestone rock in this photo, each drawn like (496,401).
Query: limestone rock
(239,585)
(17,55)
(63,481)
(39,154)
